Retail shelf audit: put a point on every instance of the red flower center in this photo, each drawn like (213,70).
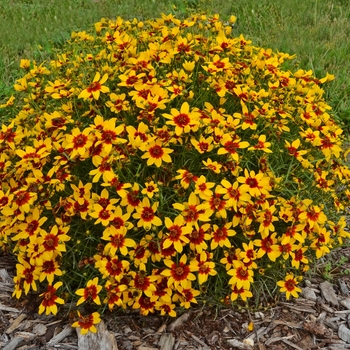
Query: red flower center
(156,151)
(94,86)
(79,141)
(147,214)
(182,120)
(251,182)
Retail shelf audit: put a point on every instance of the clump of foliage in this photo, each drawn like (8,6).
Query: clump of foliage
(155,164)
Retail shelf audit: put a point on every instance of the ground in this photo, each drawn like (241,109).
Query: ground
(313,321)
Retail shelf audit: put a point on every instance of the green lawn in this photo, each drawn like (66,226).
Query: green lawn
(315,30)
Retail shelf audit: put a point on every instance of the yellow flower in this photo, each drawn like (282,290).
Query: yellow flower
(87,323)
(289,286)
(156,153)
(50,299)
(146,214)
(183,120)
(176,233)
(95,88)
(90,292)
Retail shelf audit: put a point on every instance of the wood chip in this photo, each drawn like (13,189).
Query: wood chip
(205,346)
(343,288)
(326,308)
(8,308)
(166,341)
(179,322)
(16,323)
(13,344)
(344,333)
(6,287)
(239,344)
(316,328)
(299,308)
(5,277)
(309,293)
(101,340)
(329,293)
(291,344)
(277,339)
(345,303)
(67,331)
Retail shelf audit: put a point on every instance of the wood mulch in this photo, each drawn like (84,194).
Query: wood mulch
(319,319)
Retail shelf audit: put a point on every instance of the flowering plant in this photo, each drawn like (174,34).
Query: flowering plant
(151,164)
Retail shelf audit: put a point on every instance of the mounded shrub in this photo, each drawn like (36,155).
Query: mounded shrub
(155,164)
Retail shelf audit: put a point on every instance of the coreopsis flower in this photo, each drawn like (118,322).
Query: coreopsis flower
(248,252)
(28,273)
(298,257)
(103,215)
(218,64)
(95,88)
(179,273)
(48,269)
(216,204)
(261,145)
(203,188)
(330,146)
(144,304)
(197,238)
(193,211)
(114,294)
(313,214)
(292,149)
(117,103)
(268,245)
(145,212)
(150,189)
(213,166)
(254,184)
(140,254)
(234,195)
(117,240)
(90,292)
(242,276)
(50,299)
(53,242)
(203,145)
(87,323)
(220,236)
(176,233)
(143,282)
(32,225)
(155,153)
(138,136)
(186,295)
(266,219)
(247,119)
(289,286)
(243,293)
(185,177)
(22,202)
(78,142)
(183,120)
(132,198)
(111,266)
(205,266)
(231,145)
(166,308)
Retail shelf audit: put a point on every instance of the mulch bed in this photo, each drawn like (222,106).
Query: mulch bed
(319,319)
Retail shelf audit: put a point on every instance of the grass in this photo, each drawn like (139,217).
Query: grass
(316,31)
